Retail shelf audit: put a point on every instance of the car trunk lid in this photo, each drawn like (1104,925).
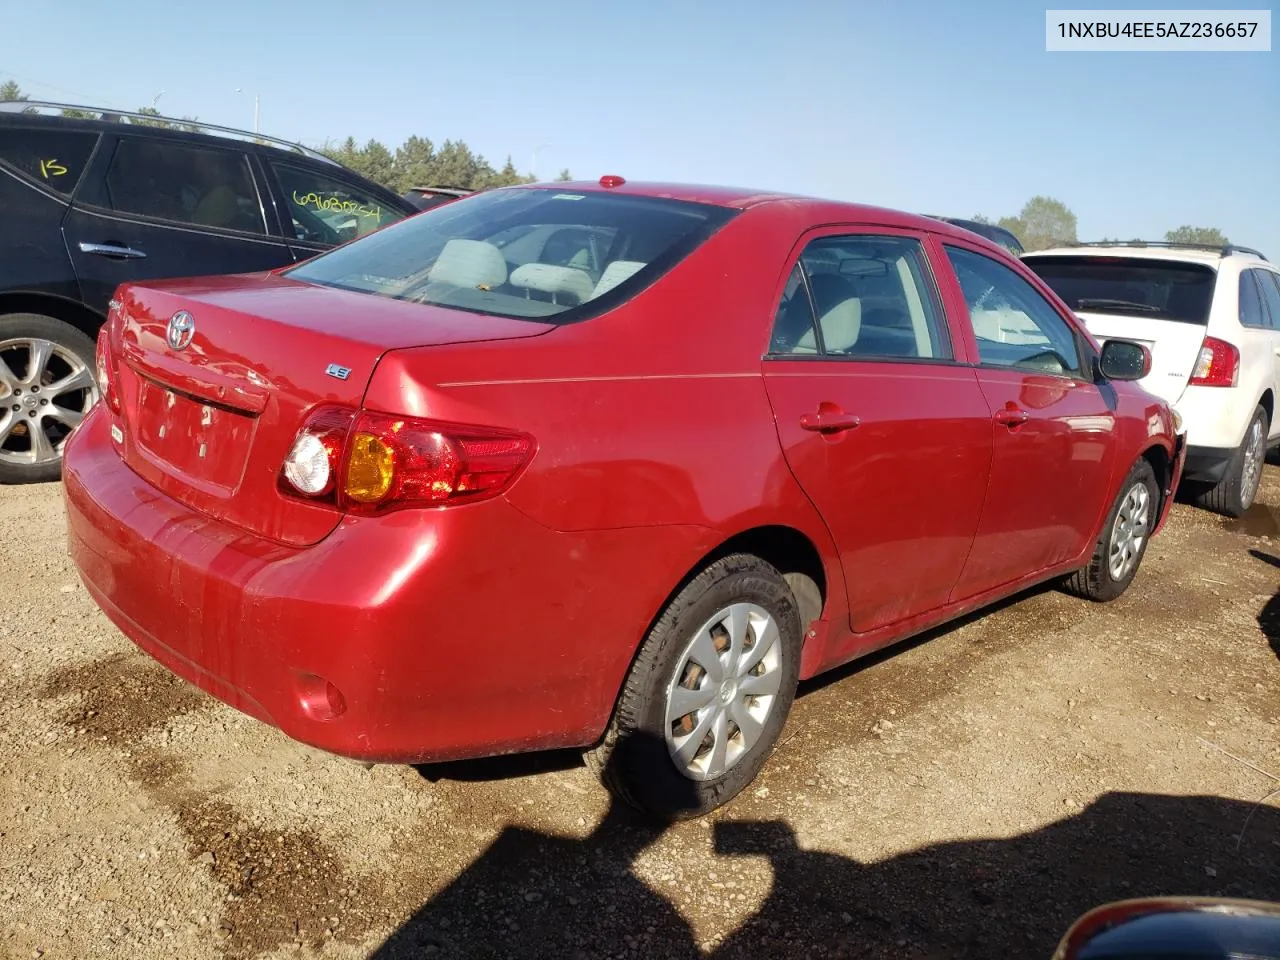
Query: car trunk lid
(1174,347)
(210,421)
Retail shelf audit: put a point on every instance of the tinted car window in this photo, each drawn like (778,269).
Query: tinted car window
(1252,313)
(54,157)
(525,252)
(328,210)
(1270,284)
(174,181)
(1163,290)
(1014,325)
(871,297)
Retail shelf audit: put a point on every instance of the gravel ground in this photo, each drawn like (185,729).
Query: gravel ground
(966,795)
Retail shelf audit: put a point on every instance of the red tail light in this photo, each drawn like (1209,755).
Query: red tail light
(106,370)
(364,462)
(1217,365)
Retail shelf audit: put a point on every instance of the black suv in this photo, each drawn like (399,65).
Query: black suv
(1000,235)
(87,204)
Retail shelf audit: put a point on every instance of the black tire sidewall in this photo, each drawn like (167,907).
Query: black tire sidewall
(653,779)
(16,325)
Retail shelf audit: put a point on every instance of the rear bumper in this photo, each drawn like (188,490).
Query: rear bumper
(415,637)
(1207,464)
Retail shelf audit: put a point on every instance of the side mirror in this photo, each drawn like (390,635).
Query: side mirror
(1124,360)
(1188,928)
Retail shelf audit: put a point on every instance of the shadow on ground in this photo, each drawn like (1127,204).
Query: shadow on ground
(1269,618)
(536,895)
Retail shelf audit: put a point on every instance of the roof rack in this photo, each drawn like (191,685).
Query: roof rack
(107,114)
(1222,250)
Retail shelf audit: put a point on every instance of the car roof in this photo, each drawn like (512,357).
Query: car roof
(743,198)
(1176,253)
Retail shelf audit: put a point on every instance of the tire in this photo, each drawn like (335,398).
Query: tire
(1100,580)
(26,402)
(1236,491)
(635,759)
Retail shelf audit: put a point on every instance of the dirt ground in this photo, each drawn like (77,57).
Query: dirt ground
(965,796)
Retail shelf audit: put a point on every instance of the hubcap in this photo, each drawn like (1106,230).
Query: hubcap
(1129,532)
(45,391)
(723,691)
(1255,453)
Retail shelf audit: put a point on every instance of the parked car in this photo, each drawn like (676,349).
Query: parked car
(424,198)
(436,494)
(92,203)
(995,234)
(1211,318)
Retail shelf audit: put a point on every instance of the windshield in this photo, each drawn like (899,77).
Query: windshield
(1159,289)
(522,253)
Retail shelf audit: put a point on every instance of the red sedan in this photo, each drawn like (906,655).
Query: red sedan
(601,465)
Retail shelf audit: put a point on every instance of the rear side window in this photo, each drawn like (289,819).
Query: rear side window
(870,297)
(1160,289)
(523,253)
(194,185)
(56,158)
(327,210)
(1269,286)
(1252,312)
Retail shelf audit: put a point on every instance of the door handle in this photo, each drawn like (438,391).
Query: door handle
(1012,416)
(828,421)
(114,250)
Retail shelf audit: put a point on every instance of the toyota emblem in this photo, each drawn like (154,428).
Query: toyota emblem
(182,327)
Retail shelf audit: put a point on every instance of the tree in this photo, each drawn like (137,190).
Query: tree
(1044,222)
(9,90)
(564,175)
(1208,236)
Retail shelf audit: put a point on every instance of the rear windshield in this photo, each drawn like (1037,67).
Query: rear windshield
(1160,289)
(522,253)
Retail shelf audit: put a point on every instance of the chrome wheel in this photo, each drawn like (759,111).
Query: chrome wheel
(723,691)
(45,391)
(1130,530)
(1255,453)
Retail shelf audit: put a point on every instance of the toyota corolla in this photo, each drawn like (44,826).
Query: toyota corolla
(600,465)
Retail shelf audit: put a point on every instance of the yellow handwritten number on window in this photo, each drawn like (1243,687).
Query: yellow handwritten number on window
(52,168)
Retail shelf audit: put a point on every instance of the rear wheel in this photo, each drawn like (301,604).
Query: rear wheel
(708,694)
(1236,491)
(47,385)
(1123,543)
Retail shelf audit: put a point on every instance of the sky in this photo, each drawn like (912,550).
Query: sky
(944,107)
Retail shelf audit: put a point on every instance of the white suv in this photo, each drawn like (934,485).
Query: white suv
(1211,318)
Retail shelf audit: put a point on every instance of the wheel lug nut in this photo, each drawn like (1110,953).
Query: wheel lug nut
(35,389)
(43,401)
(31,414)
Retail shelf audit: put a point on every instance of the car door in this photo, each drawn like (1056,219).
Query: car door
(887,433)
(1267,310)
(1054,440)
(323,207)
(153,208)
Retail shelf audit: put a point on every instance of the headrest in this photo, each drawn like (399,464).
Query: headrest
(469,263)
(557,281)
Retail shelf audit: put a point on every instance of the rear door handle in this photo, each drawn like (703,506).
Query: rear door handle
(113,250)
(1012,416)
(828,421)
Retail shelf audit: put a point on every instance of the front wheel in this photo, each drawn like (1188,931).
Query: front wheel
(708,694)
(1123,543)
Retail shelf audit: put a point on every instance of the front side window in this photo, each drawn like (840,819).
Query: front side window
(327,210)
(185,184)
(867,297)
(56,158)
(1014,324)
(524,253)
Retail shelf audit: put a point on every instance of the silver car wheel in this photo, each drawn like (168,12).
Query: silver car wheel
(45,391)
(723,691)
(1129,531)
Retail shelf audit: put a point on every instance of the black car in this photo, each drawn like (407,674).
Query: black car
(424,198)
(990,231)
(87,204)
